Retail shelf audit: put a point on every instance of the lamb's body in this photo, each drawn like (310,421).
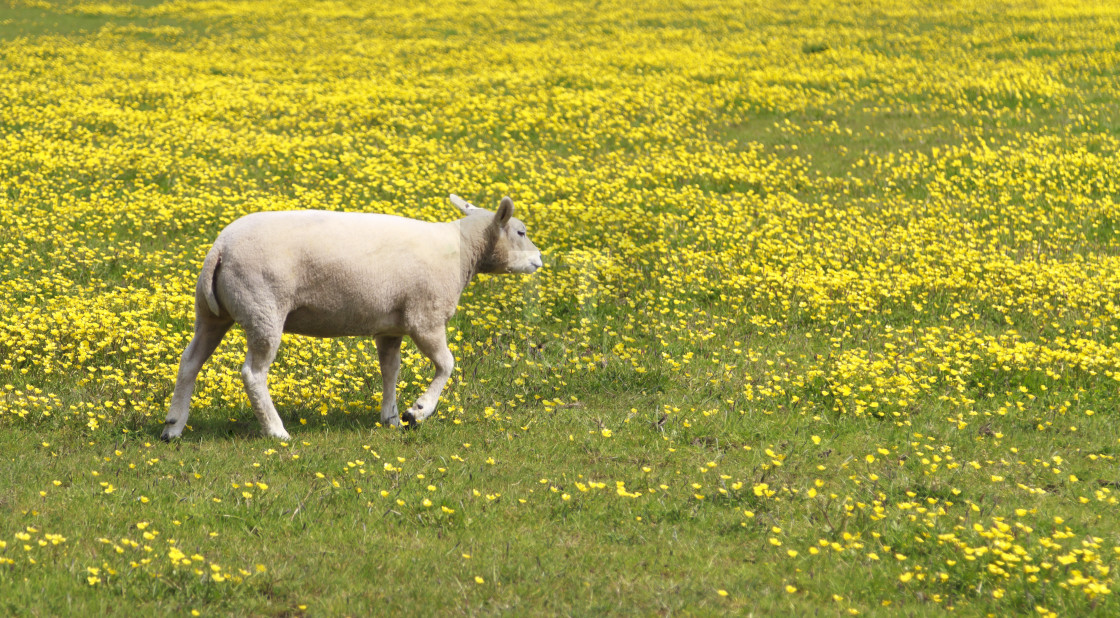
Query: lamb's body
(335,274)
(330,274)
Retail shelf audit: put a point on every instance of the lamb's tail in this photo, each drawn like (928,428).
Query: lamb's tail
(206,280)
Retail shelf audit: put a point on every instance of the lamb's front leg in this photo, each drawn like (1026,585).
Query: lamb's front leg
(389,358)
(433,344)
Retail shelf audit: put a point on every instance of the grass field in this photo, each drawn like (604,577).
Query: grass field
(828,323)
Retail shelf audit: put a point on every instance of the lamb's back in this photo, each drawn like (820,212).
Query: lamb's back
(331,273)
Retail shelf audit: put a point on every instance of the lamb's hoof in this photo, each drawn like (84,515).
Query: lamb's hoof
(278,435)
(409,420)
(393,420)
(168,433)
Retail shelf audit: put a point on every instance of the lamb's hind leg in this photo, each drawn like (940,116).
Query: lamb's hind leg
(262,351)
(433,344)
(207,336)
(389,358)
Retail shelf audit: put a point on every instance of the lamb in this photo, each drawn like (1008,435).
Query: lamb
(335,274)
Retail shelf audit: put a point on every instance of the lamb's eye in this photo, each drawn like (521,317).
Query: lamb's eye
(521,232)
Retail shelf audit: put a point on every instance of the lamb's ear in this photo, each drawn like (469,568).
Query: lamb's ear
(505,211)
(463,205)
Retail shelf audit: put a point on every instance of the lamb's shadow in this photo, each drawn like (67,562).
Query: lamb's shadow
(211,425)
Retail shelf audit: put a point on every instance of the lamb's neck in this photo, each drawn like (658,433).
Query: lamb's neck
(475,244)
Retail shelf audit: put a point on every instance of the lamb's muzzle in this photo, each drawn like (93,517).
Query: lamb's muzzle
(331,274)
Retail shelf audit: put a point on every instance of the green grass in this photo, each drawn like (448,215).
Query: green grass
(394,558)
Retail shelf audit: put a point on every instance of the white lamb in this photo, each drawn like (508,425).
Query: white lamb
(332,274)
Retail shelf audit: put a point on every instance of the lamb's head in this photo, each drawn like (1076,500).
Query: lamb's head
(509,249)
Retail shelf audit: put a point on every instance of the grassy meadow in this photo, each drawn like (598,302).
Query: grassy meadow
(828,322)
